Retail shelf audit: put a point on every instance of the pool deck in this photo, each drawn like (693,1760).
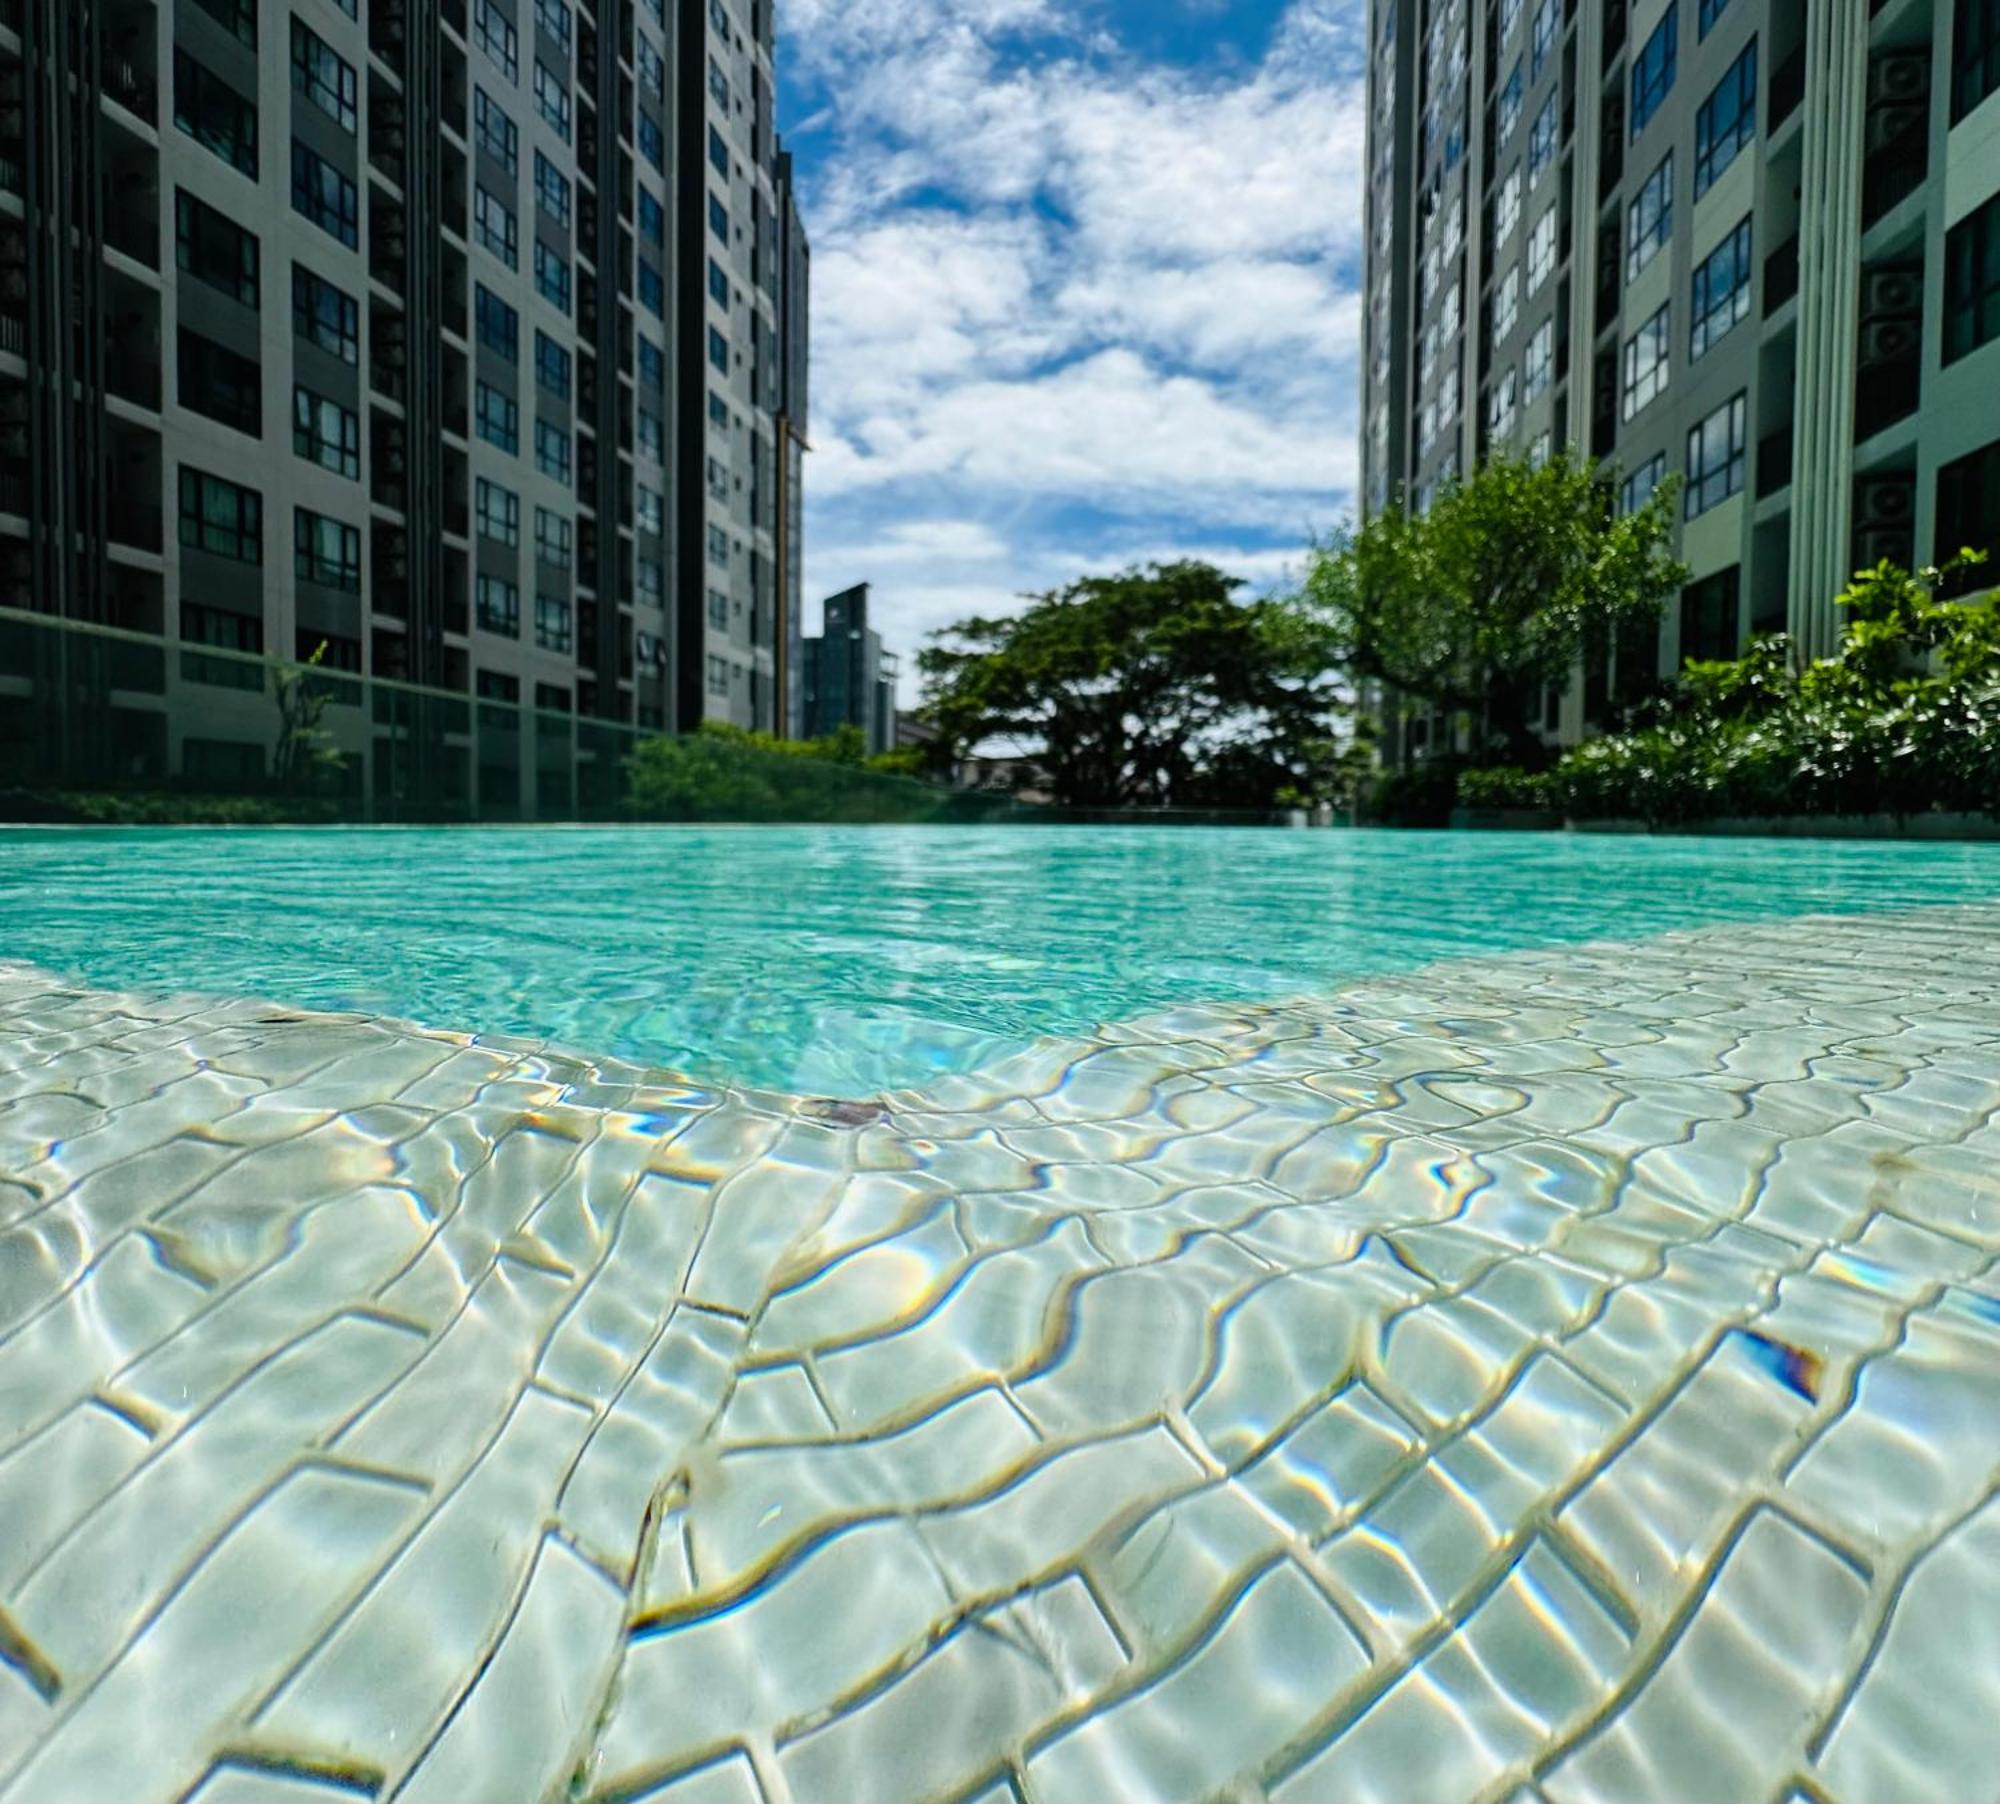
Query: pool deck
(1571,1376)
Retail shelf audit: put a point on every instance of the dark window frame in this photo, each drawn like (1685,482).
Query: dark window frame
(1972,282)
(1718,142)
(334,328)
(221,517)
(311,563)
(202,231)
(335,209)
(1655,69)
(198,88)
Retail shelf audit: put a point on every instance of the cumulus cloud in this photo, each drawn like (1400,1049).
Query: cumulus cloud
(1071,308)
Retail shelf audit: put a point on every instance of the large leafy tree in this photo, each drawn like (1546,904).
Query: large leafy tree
(1157,687)
(1481,602)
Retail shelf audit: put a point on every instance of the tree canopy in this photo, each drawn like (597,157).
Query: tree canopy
(1481,602)
(1157,687)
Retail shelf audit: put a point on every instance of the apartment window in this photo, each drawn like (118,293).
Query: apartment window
(325,316)
(649,436)
(718,153)
(1707,14)
(552,100)
(1500,404)
(214,115)
(1542,249)
(1975,55)
(552,623)
(327,552)
(1542,139)
(1510,103)
(1715,458)
(1548,23)
(718,219)
(1454,225)
(498,511)
(552,539)
(228,631)
(326,433)
(1539,449)
(718,283)
(552,698)
(1639,486)
(652,218)
(497,604)
(551,190)
(553,17)
(1506,303)
(498,417)
(718,84)
(494,226)
(652,509)
(1539,361)
(217,383)
(1653,69)
(325,196)
(652,582)
(221,518)
(652,142)
(237,17)
(652,368)
(324,77)
(652,68)
(718,547)
(718,16)
(1721,291)
(1647,361)
(718,411)
(1726,121)
(1968,512)
(552,277)
(494,33)
(1507,206)
(495,132)
(718,609)
(652,291)
(718,479)
(1972,281)
(1650,220)
(552,451)
(1709,617)
(497,324)
(718,351)
(214,249)
(552,366)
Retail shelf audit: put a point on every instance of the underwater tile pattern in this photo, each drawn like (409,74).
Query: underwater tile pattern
(1570,1376)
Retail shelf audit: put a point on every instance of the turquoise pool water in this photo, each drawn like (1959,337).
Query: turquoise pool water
(846,960)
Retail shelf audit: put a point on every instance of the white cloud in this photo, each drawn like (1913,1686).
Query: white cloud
(1071,309)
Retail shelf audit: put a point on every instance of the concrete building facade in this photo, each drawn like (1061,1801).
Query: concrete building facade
(388,326)
(1751,243)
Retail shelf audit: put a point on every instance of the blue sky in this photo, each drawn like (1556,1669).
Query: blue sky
(1086,281)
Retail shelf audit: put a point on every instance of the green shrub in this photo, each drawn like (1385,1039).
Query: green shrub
(1903,718)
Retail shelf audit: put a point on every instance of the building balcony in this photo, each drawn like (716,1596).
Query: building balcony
(1774,462)
(1788,90)
(1781,275)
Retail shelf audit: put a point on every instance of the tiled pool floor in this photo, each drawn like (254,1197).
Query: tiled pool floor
(1572,1376)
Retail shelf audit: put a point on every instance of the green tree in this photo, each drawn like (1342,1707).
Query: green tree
(1152,688)
(1479,604)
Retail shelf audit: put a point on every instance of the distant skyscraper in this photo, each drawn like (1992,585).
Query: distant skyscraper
(1695,237)
(437,332)
(850,680)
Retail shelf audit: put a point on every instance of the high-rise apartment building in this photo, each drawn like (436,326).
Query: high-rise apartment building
(849,678)
(793,441)
(434,332)
(1751,243)
(729,247)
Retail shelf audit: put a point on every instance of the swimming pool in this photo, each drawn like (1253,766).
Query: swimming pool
(1391,1349)
(844,960)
